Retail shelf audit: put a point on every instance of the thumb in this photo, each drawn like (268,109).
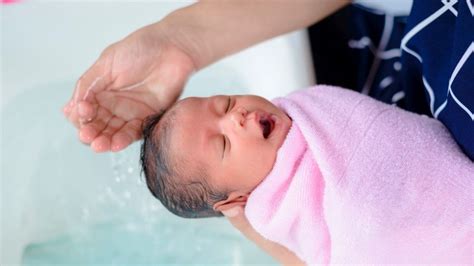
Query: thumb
(94,80)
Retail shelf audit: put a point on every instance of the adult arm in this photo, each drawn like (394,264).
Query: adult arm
(211,30)
(146,71)
(280,253)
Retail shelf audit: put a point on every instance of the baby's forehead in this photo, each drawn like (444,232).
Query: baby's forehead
(188,109)
(176,111)
(174,124)
(183,123)
(181,105)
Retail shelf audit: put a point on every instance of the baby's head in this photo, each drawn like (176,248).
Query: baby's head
(205,155)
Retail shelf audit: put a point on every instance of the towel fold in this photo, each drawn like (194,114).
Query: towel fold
(360,181)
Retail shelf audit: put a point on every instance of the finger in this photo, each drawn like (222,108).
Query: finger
(103,142)
(86,110)
(129,133)
(71,109)
(113,126)
(88,132)
(95,79)
(68,108)
(120,141)
(71,104)
(73,117)
(124,107)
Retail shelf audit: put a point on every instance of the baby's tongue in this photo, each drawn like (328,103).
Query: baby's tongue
(266,125)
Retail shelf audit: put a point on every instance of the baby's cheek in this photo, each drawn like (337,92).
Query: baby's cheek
(268,157)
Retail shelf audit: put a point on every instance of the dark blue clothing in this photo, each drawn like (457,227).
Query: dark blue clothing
(438,58)
(423,63)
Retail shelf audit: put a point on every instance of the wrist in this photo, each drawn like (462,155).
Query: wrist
(179,29)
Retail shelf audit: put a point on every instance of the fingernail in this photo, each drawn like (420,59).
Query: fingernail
(231,212)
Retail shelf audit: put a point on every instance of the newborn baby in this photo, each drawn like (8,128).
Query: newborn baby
(208,154)
(346,179)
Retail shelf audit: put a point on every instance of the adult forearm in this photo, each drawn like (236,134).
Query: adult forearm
(211,30)
(278,252)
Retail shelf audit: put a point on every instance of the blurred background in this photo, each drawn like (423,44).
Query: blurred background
(63,204)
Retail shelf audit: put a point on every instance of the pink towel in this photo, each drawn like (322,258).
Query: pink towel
(359,181)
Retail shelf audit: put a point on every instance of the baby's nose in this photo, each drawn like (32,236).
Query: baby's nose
(238,116)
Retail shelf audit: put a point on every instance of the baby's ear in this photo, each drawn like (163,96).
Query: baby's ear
(234,199)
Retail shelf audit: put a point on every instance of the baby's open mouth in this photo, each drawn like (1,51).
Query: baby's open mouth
(267,124)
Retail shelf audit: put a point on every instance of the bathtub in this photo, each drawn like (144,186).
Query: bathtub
(63,204)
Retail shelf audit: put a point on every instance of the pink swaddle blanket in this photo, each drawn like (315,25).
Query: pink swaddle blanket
(359,181)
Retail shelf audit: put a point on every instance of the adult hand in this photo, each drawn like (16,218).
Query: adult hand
(133,78)
(237,218)
(146,71)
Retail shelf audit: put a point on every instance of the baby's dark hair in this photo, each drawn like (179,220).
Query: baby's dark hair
(194,199)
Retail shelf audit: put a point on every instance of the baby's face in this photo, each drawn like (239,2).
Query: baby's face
(234,138)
